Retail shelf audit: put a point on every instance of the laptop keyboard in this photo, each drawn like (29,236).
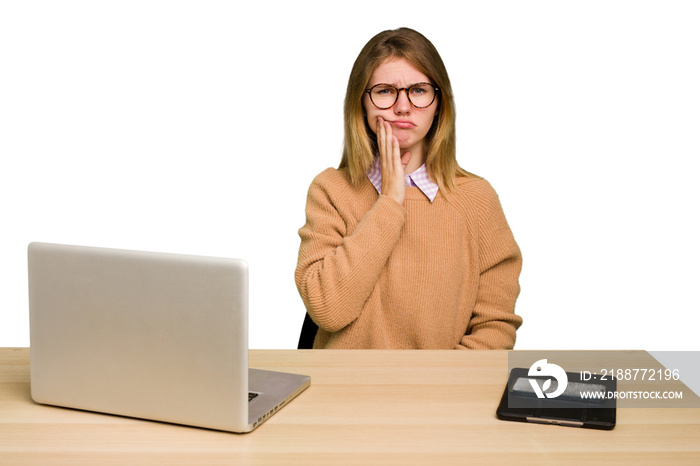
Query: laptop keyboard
(251,395)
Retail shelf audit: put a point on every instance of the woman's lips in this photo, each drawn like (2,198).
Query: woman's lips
(402,123)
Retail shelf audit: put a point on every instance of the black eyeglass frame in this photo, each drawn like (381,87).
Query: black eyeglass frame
(398,91)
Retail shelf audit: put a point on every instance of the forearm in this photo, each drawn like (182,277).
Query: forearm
(336,274)
(494,322)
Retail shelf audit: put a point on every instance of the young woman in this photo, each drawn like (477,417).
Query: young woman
(402,248)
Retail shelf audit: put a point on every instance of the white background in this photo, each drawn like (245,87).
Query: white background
(196,127)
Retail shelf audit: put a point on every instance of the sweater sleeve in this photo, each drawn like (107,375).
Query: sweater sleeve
(337,270)
(494,322)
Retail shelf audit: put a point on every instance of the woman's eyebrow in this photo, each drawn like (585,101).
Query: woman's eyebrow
(397,86)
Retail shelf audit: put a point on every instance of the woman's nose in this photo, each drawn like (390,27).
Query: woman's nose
(403,105)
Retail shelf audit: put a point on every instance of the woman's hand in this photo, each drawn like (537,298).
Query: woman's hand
(392,162)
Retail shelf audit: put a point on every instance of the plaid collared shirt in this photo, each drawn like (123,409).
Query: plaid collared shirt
(418,178)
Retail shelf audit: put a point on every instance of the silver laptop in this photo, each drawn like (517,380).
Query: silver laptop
(148,335)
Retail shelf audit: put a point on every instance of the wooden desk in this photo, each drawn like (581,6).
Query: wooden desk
(363,407)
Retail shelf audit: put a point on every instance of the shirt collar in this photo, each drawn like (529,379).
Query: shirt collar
(419,178)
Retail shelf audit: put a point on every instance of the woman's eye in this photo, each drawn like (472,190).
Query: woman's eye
(385,91)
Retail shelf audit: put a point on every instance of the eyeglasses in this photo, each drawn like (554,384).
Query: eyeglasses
(384,96)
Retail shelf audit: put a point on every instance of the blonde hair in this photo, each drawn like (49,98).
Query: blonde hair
(360,144)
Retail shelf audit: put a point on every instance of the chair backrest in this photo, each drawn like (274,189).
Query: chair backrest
(308,333)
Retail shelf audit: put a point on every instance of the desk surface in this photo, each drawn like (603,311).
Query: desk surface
(363,407)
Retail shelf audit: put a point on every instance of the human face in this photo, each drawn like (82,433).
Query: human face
(409,124)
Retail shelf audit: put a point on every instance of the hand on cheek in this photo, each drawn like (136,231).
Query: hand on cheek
(392,161)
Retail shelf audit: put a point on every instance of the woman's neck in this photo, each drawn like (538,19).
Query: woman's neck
(417,158)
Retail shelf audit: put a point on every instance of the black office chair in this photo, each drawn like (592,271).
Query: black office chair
(308,333)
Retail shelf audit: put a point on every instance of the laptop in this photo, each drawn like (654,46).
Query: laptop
(148,335)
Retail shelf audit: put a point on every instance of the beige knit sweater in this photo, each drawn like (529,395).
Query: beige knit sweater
(376,274)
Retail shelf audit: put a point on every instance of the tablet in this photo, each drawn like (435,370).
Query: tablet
(582,403)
